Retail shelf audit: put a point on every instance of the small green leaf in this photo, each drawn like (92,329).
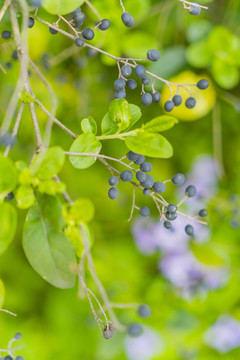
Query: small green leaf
(48,250)
(135,114)
(108,126)
(61,7)
(224,73)
(120,114)
(48,163)
(160,123)
(8,225)
(85,143)
(2,293)
(207,255)
(82,211)
(8,175)
(25,197)
(89,125)
(26,98)
(149,144)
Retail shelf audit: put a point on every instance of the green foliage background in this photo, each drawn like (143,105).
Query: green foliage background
(54,322)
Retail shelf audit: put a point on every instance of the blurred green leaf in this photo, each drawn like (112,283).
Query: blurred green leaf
(8,225)
(48,163)
(25,197)
(2,293)
(161,123)
(198,54)
(85,143)
(89,125)
(207,255)
(61,7)
(225,74)
(8,175)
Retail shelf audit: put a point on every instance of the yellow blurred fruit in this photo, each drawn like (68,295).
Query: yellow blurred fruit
(205,98)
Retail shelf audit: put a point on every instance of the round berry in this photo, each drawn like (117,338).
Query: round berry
(79,42)
(126,70)
(141,176)
(203,84)
(153,55)
(113,181)
(108,333)
(190,191)
(149,182)
(119,84)
(53,31)
(189,230)
(77,11)
(146,192)
(177,100)
(121,94)
(8,65)
(88,34)
(146,99)
(132,156)
(131,84)
(8,357)
(146,166)
(104,24)
(171,208)
(169,105)
(135,330)
(159,187)
(167,224)
(15,55)
(144,311)
(78,19)
(146,80)
(171,216)
(91,53)
(126,175)
(18,336)
(156,96)
(37,3)
(19,358)
(203,212)
(194,10)
(140,71)
(144,211)
(190,103)
(6,34)
(30,22)
(127,19)
(140,160)
(113,193)
(10,196)
(178,179)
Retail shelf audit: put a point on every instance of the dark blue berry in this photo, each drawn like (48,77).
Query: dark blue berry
(15,55)
(203,212)
(171,216)
(159,187)
(37,3)
(140,160)
(153,55)
(77,11)
(135,330)
(120,94)
(140,71)
(79,42)
(149,182)
(190,103)
(132,156)
(88,34)
(127,19)
(146,192)
(146,99)
(144,211)
(113,193)
(177,100)
(53,31)
(19,358)
(194,10)
(203,84)
(156,96)
(178,179)
(10,196)
(167,225)
(113,181)
(126,175)
(119,84)
(8,357)
(171,208)
(79,19)
(146,166)
(104,24)
(189,230)
(146,80)
(6,34)
(169,105)
(18,336)
(126,70)
(190,191)
(141,176)
(30,22)
(144,311)
(131,84)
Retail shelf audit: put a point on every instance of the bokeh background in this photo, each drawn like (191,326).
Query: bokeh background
(194,294)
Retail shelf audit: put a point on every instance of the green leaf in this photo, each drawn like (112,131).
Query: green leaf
(25,197)
(119,113)
(224,73)
(160,123)
(149,144)
(198,54)
(8,225)
(207,255)
(61,7)
(108,126)
(2,293)
(89,125)
(48,250)
(48,163)
(82,210)
(8,175)
(85,143)
(135,114)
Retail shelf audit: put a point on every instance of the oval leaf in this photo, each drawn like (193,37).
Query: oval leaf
(207,255)
(108,126)
(48,250)
(8,175)
(135,113)
(61,7)
(25,197)
(89,125)
(8,225)
(48,163)
(149,144)
(160,123)
(85,143)
(120,114)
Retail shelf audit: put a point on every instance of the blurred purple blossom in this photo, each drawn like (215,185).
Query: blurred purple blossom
(224,335)
(144,347)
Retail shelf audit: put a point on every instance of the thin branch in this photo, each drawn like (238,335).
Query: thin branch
(16,126)
(193,4)
(8,312)
(4,9)
(94,9)
(133,203)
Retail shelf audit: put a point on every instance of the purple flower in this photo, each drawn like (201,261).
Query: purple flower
(224,335)
(144,347)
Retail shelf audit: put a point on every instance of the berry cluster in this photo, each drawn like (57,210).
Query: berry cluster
(9,349)
(152,188)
